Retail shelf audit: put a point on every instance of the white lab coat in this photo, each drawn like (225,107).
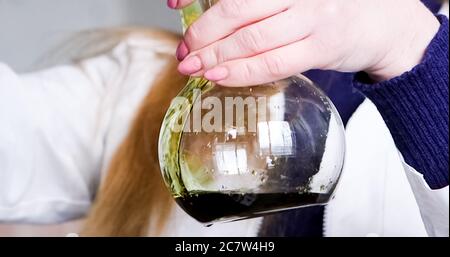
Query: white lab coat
(60,127)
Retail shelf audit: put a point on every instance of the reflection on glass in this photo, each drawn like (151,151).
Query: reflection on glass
(275,138)
(230,159)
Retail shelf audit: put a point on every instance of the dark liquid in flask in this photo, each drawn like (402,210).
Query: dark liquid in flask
(209,207)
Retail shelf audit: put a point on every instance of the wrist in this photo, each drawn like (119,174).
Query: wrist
(408,52)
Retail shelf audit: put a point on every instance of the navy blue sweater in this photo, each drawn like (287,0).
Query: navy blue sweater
(415,108)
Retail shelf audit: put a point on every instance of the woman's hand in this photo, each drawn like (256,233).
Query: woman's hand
(248,42)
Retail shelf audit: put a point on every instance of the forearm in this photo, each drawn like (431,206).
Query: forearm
(415,107)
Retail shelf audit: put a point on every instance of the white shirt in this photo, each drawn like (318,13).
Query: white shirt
(59,128)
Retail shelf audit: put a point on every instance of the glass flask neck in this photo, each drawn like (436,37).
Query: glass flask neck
(192,12)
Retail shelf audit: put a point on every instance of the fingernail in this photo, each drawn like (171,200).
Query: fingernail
(217,74)
(182,51)
(190,65)
(172,3)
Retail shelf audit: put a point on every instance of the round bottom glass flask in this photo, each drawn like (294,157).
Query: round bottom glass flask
(235,153)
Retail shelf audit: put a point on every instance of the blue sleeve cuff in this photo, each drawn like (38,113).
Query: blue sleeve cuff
(415,107)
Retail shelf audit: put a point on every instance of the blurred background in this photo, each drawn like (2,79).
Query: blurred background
(29,29)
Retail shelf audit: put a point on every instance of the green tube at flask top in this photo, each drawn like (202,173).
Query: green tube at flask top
(170,138)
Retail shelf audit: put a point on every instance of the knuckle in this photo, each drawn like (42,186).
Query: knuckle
(192,35)
(232,8)
(246,72)
(331,9)
(219,55)
(212,57)
(251,40)
(274,65)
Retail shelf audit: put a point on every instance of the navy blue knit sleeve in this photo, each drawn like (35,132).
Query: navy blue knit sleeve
(415,107)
